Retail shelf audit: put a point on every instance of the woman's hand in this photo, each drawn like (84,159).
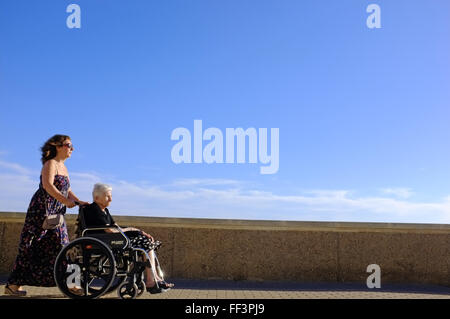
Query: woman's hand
(81,203)
(69,203)
(148,236)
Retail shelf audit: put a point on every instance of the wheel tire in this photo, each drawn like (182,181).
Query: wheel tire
(141,288)
(87,256)
(115,284)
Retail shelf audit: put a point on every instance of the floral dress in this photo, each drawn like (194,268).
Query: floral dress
(38,248)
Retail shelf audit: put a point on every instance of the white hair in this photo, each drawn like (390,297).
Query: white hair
(100,189)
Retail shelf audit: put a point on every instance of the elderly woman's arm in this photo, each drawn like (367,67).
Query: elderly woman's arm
(135,229)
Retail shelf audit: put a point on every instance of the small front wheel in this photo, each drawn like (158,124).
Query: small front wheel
(141,288)
(127,290)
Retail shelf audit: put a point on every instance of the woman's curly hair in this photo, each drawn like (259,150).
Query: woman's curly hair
(49,148)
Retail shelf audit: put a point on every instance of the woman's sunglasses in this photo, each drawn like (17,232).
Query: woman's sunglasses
(69,145)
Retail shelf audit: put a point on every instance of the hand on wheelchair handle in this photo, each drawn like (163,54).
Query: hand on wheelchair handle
(69,203)
(80,203)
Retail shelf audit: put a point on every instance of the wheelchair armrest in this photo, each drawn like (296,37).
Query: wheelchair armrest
(109,238)
(103,228)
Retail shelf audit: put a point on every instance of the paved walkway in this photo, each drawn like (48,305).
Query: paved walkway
(195,289)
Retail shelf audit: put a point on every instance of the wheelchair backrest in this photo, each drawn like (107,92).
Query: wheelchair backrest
(80,224)
(113,240)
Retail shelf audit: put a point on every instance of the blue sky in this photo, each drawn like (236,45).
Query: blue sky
(362,113)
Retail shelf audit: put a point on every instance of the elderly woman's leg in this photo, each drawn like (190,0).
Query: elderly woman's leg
(152,277)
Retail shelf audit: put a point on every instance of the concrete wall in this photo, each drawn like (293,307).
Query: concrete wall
(279,250)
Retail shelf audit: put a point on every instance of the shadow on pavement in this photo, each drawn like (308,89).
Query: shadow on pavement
(298,286)
(187,284)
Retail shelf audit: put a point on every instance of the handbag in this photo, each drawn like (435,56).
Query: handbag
(53,221)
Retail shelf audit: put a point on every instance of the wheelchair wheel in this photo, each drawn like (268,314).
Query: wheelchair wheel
(120,273)
(127,290)
(116,283)
(140,283)
(141,288)
(85,268)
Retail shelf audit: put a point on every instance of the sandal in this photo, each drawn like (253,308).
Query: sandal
(76,291)
(9,291)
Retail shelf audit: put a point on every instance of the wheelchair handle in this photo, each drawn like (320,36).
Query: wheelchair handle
(77,203)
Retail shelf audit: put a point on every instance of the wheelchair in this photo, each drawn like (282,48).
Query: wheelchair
(101,262)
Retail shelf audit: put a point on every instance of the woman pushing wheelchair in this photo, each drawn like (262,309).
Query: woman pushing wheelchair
(97,215)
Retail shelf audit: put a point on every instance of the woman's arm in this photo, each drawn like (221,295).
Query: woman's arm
(48,176)
(72,196)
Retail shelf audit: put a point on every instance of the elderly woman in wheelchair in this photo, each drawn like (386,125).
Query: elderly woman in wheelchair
(106,257)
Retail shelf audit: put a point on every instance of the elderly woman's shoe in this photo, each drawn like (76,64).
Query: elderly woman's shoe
(14,292)
(165,285)
(154,290)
